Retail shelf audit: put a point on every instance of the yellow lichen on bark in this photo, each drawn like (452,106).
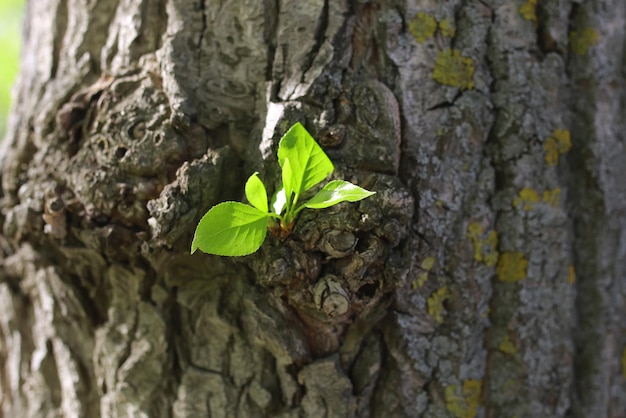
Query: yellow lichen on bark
(528,11)
(581,41)
(552,197)
(453,69)
(464,404)
(419,280)
(571,274)
(426,265)
(422,27)
(485,249)
(511,267)
(507,346)
(527,197)
(558,143)
(435,303)
(446,28)
(624,363)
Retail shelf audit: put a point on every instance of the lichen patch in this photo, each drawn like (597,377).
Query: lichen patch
(426,265)
(453,69)
(507,346)
(511,267)
(447,28)
(422,27)
(571,274)
(435,303)
(465,403)
(556,144)
(528,11)
(552,197)
(485,248)
(526,199)
(581,41)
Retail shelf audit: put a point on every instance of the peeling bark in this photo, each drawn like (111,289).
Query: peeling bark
(486,278)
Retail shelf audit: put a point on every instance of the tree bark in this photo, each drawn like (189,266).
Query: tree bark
(486,278)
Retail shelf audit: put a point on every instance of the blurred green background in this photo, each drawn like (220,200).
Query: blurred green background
(11,12)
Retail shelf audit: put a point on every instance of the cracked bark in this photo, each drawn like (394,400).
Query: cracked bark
(486,278)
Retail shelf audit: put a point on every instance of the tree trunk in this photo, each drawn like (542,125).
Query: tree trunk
(486,278)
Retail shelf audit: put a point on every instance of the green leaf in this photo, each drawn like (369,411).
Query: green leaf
(308,162)
(256,193)
(279,201)
(231,229)
(337,191)
(288,182)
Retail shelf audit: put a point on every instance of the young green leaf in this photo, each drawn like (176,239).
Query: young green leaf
(309,164)
(256,193)
(231,229)
(288,181)
(337,191)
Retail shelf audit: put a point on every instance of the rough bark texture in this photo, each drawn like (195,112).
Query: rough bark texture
(485,279)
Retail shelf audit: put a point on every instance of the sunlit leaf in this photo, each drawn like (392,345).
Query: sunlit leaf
(256,193)
(337,191)
(237,229)
(308,163)
(231,229)
(289,185)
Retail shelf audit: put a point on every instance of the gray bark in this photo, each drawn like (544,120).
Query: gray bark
(486,278)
